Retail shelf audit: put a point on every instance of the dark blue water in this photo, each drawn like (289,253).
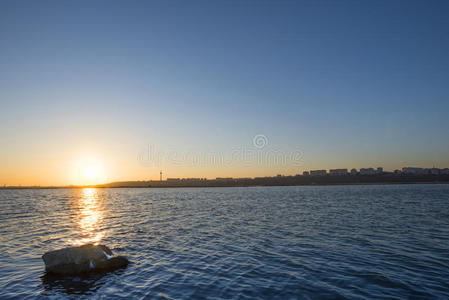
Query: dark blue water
(355,242)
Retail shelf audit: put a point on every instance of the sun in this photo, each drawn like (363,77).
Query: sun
(91,172)
(88,170)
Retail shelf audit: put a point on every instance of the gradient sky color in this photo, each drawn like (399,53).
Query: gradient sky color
(345,83)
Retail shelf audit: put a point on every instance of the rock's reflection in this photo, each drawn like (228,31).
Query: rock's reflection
(77,285)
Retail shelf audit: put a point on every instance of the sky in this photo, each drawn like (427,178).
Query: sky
(99,91)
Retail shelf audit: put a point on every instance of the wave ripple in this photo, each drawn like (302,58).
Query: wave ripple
(352,242)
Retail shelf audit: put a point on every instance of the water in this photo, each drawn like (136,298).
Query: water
(386,241)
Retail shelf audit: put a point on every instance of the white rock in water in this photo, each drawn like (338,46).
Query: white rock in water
(86,258)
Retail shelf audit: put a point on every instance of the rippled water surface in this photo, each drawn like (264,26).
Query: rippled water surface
(257,242)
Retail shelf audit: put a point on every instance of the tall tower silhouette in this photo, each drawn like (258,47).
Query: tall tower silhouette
(160,178)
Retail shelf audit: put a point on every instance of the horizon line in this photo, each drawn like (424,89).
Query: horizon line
(319,173)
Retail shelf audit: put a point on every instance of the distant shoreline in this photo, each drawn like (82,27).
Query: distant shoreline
(264,181)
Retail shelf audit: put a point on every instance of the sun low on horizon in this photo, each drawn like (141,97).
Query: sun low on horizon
(91,172)
(88,171)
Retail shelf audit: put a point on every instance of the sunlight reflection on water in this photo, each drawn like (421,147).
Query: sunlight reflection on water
(89,215)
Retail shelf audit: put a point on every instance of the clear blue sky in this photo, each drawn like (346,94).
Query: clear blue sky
(348,83)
